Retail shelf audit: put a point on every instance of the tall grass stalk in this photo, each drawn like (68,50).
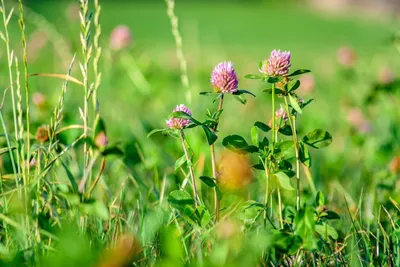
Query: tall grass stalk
(85,22)
(179,52)
(10,56)
(97,56)
(26,85)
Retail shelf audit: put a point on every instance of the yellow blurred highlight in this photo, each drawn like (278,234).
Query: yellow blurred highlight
(234,170)
(127,247)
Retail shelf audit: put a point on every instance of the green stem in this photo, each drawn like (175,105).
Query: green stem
(189,163)
(3,123)
(214,163)
(280,206)
(292,121)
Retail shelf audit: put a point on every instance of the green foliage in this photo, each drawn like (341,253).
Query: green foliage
(318,139)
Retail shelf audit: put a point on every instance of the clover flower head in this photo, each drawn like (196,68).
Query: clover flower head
(278,64)
(178,123)
(224,78)
(121,37)
(346,56)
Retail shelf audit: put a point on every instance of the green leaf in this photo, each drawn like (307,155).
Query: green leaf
(5,150)
(277,91)
(292,86)
(95,208)
(298,72)
(284,149)
(294,104)
(259,166)
(284,180)
(157,131)
(326,231)
(331,215)
(286,167)
(287,243)
(234,142)
(203,216)
(100,127)
(289,213)
(304,226)
(240,99)
(319,199)
(179,199)
(238,144)
(318,139)
(256,204)
(70,178)
(286,130)
(180,115)
(241,92)
(263,143)
(262,126)
(211,137)
(210,182)
(179,162)
(112,150)
(253,77)
(254,135)
(303,105)
(271,79)
(304,154)
(206,93)
(73,199)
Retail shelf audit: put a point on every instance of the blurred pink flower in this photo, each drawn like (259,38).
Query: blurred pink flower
(101,139)
(224,79)
(278,64)
(346,56)
(281,113)
(121,37)
(307,84)
(72,12)
(386,76)
(177,123)
(356,118)
(37,40)
(39,100)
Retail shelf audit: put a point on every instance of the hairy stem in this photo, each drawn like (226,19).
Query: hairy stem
(214,163)
(189,163)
